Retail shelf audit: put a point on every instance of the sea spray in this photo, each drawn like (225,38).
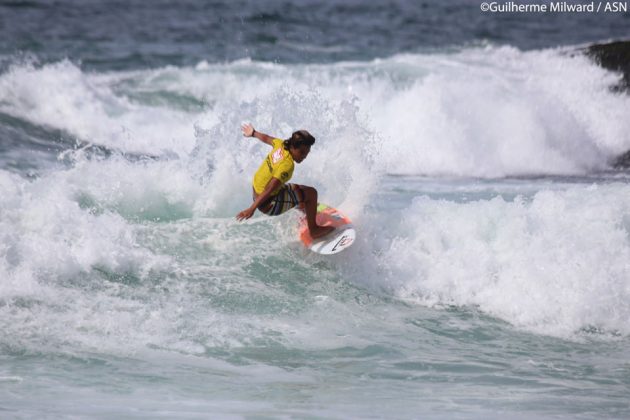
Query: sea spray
(486,112)
(554,262)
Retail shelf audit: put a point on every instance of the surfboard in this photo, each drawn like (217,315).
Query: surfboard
(339,239)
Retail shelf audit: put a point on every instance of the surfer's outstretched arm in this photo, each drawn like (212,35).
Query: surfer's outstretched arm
(249,131)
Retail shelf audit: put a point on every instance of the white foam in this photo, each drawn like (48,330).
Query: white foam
(486,112)
(86,263)
(556,264)
(46,233)
(87,106)
(498,111)
(553,265)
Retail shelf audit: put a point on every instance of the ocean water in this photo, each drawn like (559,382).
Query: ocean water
(491,274)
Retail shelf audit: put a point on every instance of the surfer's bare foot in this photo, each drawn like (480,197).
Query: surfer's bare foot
(320,231)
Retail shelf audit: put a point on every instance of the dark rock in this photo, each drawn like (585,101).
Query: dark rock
(622,161)
(613,56)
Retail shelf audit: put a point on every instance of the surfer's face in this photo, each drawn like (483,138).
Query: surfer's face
(299,153)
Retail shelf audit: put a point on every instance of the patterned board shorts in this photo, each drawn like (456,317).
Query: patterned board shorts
(288,197)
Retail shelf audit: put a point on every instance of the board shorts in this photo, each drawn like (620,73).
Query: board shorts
(289,196)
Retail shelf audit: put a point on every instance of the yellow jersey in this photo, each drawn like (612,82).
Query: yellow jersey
(279,164)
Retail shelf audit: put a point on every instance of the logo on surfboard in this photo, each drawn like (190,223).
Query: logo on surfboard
(341,238)
(343,241)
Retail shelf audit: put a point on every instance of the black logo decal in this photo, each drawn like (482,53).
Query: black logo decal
(341,242)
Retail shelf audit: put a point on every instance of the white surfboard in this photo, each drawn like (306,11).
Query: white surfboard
(341,238)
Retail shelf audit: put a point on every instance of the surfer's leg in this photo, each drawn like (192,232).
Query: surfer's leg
(309,196)
(301,198)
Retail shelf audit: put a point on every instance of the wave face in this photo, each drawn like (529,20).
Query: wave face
(482,112)
(493,239)
(174,152)
(552,262)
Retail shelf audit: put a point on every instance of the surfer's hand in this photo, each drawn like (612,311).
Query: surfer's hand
(245,214)
(248,130)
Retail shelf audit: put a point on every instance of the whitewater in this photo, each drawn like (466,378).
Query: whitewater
(490,276)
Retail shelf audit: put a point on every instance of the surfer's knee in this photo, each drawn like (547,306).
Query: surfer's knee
(310,193)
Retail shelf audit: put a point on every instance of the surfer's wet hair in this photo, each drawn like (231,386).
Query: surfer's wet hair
(298,139)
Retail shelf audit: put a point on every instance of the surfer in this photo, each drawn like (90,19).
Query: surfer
(272,194)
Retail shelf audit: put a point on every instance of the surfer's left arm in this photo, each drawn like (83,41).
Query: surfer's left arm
(249,212)
(250,131)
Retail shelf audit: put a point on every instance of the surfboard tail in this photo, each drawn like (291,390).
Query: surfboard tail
(341,238)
